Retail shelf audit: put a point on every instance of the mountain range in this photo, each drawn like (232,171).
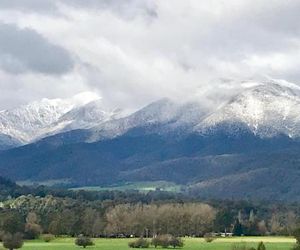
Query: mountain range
(248,147)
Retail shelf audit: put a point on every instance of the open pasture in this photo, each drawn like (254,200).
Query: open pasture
(272,243)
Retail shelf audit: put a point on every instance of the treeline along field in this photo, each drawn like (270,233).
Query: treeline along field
(119,218)
(34,215)
(114,214)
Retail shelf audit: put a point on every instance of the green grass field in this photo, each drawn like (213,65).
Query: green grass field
(272,243)
(144,186)
(139,186)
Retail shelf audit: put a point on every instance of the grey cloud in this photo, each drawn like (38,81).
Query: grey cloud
(23,50)
(131,60)
(124,8)
(44,6)
(281,17)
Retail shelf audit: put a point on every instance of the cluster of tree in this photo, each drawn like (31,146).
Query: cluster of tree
(12,228)
(192,219)
(256,218)
(34,216)
(110,218)
(164,241)
(279,223)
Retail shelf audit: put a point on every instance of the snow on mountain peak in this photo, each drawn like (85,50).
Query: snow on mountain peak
(267,109)
(83,117)
(161,117)
(31,121)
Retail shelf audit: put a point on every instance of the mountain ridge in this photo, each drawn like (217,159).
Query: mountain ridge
(250,137)
(267,109)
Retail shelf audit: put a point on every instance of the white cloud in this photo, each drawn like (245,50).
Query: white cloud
(132,52)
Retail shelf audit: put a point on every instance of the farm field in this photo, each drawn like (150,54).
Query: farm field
(272,243)
(139,186)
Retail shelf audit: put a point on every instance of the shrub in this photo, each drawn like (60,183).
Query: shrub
(32,231)
(139,243)
(261,246)
(164,240)
(84,241)
(296,247)
(161,240)
(167,240)
(12,241)
(208,238)
(175,242)
(48,237)
(243,246)
(155,241)
(296,234)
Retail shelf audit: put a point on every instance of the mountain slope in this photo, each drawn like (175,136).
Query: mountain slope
(161,117)
(263,183)
(135,157)
(7,142)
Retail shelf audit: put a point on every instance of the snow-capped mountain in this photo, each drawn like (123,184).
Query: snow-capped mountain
(37,119)
(26,122)
(83,117)
(267,109)
(162,117)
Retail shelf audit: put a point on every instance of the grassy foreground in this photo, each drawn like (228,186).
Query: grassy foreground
(272,243)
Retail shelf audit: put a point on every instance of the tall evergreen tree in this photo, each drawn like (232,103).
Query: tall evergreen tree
(237,228)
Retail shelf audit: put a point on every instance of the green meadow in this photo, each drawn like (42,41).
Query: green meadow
(272,243)
(139,186)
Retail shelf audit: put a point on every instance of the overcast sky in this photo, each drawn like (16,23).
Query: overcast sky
(134,51)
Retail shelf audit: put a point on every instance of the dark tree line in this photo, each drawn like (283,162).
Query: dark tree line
(60,216)
(32,211)
(51,215)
